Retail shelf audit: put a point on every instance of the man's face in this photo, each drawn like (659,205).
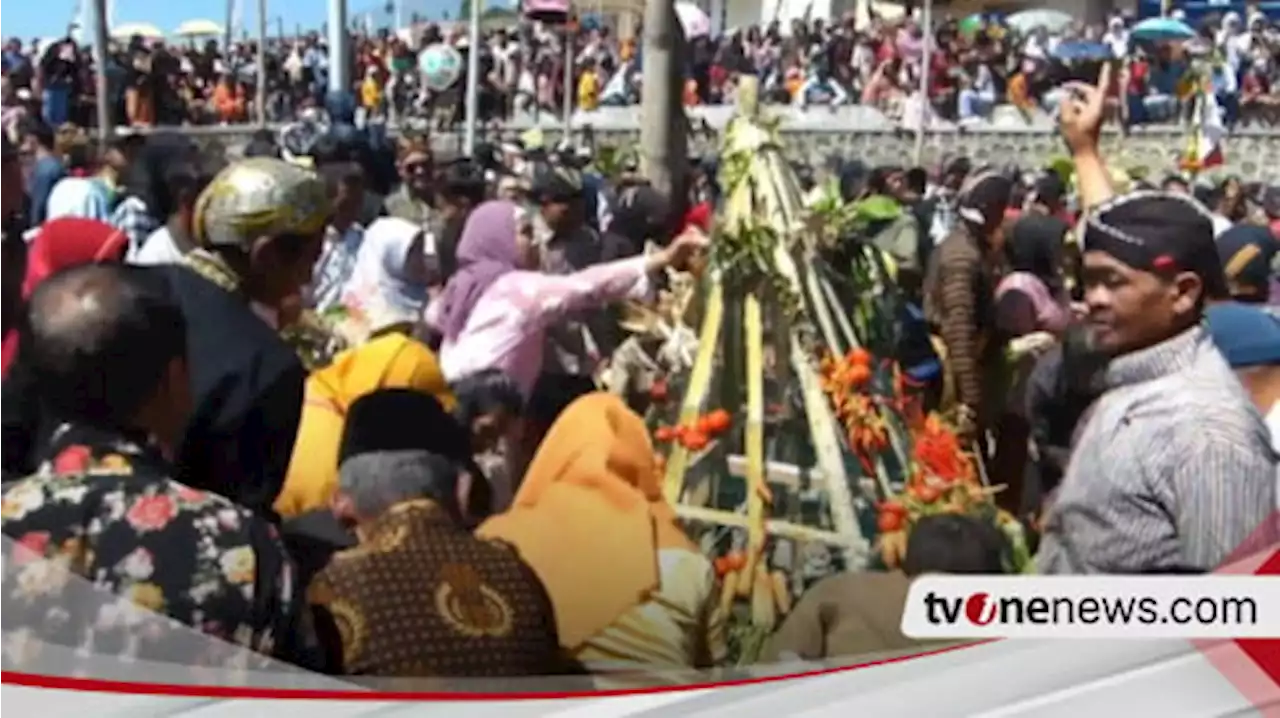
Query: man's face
(1130,309)
(116,160)
(282,266)
(557,214)
(488,429)
(348,202)
(1233,201)
(415,172)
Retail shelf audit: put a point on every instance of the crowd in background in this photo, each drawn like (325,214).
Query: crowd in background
(976,66)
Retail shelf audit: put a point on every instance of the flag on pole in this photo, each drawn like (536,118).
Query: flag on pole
(80,22)
(1204,149)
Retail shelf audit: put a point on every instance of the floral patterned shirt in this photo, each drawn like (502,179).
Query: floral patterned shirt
(103,514)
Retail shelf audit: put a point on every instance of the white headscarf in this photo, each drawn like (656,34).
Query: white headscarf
(380,290)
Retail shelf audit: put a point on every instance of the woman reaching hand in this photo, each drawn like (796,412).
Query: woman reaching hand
(495,310)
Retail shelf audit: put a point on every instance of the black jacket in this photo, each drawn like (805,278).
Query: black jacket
(248,388)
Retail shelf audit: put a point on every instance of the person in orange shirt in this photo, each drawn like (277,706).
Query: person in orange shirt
(794,81)
(690,92)
(228,100)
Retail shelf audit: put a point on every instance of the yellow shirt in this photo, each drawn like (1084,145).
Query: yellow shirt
(370,93)
(588,91)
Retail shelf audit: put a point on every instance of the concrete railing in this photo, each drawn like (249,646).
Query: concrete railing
(1250,152)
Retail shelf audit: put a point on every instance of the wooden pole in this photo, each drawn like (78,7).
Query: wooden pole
(261,98)
(226,31)
(926,60)
(569,89)
(100,41)
(663,145)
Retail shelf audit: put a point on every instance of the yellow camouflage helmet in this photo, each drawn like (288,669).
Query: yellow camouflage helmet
(260,197)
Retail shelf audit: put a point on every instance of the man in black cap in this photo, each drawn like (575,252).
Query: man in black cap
(461,188)
(577,346)
(1171,470)
(474,608)
(641,214)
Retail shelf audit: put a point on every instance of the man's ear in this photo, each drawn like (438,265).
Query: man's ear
(1188,292)
(343,508)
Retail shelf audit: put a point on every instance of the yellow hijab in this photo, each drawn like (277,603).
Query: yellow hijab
(393,361)
(590,516)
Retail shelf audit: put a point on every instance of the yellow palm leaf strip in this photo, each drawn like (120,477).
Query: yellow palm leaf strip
(696,392)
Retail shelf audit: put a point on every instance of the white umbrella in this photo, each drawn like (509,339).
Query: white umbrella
(199,28)
(890,11)
(1028,20)
(693,20)
(141,29)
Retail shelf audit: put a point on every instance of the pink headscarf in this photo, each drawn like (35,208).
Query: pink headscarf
(486,251)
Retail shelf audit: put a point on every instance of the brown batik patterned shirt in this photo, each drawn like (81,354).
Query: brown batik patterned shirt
(421,597)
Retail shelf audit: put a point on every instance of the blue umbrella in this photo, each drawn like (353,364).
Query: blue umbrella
(1080,50)
(1162,29)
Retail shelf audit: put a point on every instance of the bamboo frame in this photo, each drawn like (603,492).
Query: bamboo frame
(757,490)
(770,192)
(696,392)
(775,527)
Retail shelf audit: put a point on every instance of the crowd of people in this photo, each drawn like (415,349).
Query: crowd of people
(975,66)
(353,424)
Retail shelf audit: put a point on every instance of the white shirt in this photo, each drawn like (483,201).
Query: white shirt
(158,249)
(1220,224)
(1118,40)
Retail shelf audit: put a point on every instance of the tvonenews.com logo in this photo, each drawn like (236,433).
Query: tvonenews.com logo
(1043,606)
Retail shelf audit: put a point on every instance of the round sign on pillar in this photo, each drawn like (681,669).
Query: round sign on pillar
(441,66)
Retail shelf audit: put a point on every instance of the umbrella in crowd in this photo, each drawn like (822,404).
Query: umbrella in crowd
(693,20)
(441,66)
(198,28)
(137,29)
(1162,29)
(1082,51)
(1028,20)
(972,25)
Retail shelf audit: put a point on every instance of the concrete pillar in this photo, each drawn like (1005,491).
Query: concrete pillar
(339,47)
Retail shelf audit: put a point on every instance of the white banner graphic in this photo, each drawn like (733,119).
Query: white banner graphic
(1209,606)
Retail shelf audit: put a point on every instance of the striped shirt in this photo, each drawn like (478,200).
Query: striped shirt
(1173,468)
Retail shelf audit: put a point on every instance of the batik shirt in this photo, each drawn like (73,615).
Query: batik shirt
(474,608)
(104,552)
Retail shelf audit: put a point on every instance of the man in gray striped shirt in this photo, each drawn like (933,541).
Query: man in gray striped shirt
(1172,469)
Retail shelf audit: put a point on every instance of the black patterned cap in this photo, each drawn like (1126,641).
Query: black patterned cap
(1158,232)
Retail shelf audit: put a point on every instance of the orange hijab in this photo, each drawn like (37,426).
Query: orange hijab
(590,516)
(392,361)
